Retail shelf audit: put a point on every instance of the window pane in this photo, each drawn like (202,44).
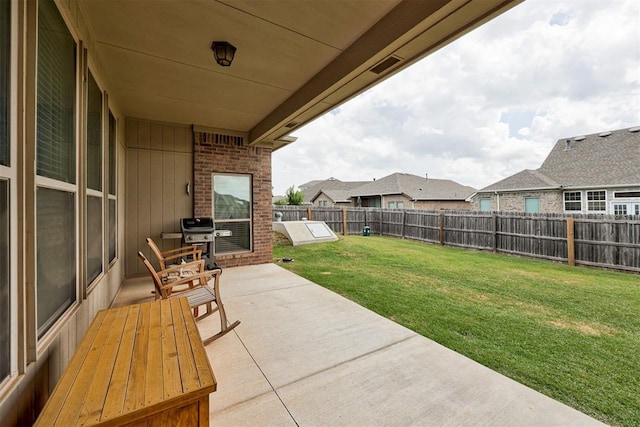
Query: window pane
(532,204)
(56,96)
(112,230)
(112,154)
(5,286)
(232,197)
(94,237)
(94,135)
(485,205)
(240,240)
(5,36)
(56,256)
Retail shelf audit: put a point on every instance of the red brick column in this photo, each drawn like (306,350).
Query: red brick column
(214,153)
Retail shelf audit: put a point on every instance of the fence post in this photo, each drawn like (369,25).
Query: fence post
(495,232)
(309,213)
(442,229)
(344,221)
(571,248)
(404,219)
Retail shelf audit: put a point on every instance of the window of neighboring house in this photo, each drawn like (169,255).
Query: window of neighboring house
(400,205)
(232,208)
(391,205)
(56,188)
(619,209)
(485,204)
(597,201)
(113,128)
(532,204)
(5,204)
(322,203)
(573,201)
(94,212)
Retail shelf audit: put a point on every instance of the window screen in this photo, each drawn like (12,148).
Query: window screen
(112,153)
(56,96)
(56,265)
(94,135)
(232,211)
(94,237)
(112,230)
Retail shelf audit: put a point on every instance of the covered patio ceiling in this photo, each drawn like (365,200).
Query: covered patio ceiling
(295,60)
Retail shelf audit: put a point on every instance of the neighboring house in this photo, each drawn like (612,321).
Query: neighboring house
(330,192)
(597,173)
(406,191)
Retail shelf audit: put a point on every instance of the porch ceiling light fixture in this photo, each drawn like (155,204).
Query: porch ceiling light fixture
(223,52)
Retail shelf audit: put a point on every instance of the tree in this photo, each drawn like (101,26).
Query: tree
(293,196)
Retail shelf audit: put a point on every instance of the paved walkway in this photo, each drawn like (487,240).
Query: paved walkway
(305,356)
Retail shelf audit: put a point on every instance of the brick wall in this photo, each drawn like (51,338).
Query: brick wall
(215,153)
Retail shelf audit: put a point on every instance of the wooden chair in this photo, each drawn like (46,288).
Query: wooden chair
(174,255)
(198,292)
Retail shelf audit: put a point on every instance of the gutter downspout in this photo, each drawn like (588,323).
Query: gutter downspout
(497,200)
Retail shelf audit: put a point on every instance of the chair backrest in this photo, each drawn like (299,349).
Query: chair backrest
(156,251)
(157,282)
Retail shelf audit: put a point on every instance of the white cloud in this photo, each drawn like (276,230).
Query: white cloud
(488,105)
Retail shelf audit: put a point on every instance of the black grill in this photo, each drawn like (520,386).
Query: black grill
(199,231)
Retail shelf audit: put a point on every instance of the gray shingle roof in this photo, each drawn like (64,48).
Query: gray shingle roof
(415,187)
(331,187)
(601,159)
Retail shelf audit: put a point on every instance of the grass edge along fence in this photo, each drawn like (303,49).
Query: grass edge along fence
(606,241)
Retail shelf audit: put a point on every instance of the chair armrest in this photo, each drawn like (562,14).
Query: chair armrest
(189,248)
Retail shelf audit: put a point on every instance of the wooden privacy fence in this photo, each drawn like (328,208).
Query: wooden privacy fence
(596,240)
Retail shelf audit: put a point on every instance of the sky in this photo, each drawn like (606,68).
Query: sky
(488,105)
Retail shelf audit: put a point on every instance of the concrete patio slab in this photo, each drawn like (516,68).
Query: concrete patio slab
(305,356)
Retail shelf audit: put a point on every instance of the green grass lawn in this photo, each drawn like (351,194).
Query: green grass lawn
(571,333)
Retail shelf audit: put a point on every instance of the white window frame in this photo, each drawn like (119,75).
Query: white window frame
(591,202)
(9,173)
(565,201)
(107,181)
(45,182)
(251,206)
(90,285)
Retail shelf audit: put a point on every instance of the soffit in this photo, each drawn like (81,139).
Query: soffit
(295,59)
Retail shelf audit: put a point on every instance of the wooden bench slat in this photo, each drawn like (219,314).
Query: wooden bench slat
(62,389)
(154,391)
(137,381)
(114,403)
(187,365)
(205,374)
(170,367)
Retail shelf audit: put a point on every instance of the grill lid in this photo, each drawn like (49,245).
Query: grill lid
(197,225)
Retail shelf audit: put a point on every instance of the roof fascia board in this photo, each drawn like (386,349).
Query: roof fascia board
(398,27)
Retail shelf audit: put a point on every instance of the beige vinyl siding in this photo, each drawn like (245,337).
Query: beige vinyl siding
(159,166)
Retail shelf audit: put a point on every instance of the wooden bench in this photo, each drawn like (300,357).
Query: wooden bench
(137,365)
